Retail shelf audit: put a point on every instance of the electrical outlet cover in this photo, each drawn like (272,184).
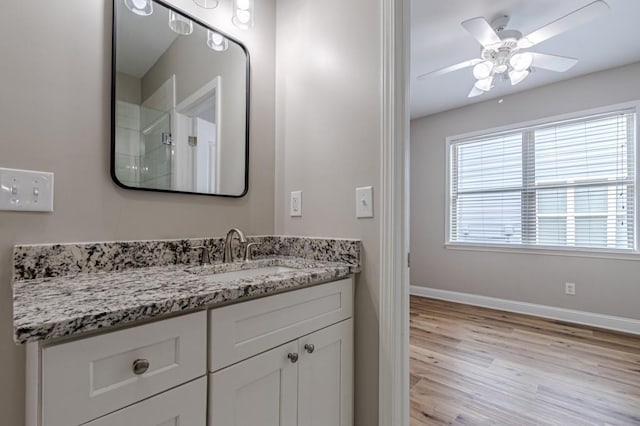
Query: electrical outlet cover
(26,190)
(295,205)
(364,202)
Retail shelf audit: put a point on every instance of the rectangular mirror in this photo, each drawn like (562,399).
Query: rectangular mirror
(180,103)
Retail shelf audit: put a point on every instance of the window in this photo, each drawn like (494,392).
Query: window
(562,184)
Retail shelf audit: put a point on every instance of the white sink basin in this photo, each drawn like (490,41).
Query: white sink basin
(243,273)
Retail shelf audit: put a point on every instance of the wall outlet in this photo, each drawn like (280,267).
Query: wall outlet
(26,190)
(295,205)
(570,289)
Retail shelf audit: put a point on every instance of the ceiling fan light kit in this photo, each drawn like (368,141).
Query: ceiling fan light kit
(483,70)
(502,49)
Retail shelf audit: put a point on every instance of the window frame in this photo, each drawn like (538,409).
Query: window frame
(634,254)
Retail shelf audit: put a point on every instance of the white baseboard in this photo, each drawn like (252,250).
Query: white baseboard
(627,325)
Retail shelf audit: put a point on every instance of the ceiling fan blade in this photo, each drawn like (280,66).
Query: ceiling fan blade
(553,62)
(567,22)
(475,92)
(481,31)
(456,67)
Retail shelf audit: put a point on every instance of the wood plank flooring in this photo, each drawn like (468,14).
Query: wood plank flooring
(478,366)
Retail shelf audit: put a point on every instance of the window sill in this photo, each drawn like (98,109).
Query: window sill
(546,251)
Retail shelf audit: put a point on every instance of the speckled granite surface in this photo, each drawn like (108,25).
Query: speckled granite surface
(52,260)
(75,289)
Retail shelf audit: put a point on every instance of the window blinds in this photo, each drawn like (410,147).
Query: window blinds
(567,184)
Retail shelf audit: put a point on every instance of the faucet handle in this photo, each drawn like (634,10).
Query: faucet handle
(247,251)
(206,254)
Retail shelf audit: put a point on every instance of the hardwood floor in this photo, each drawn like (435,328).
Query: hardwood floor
(478,366)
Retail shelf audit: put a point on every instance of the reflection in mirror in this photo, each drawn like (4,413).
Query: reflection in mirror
(180,108)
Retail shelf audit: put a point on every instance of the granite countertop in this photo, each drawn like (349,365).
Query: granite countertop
(58,306)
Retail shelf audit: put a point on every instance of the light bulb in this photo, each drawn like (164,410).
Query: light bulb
(484,84)
(482,70)
(217,41)
(243,14)
(207,4)
(140,7)
(180,24)
(243,4)
(517,76)
(521,61)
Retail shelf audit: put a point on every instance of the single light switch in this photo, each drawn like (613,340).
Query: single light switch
(295,206)
(364,202)
(26,190)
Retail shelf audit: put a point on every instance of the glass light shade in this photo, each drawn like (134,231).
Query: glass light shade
(500,68)
(483,70)
(524,43)
(180,24)
(521,61)
(243,14)
(207,4)
(517,76)
(140,7)
(217,41)
(485,84)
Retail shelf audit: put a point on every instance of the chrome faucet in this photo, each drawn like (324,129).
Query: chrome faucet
(228,252)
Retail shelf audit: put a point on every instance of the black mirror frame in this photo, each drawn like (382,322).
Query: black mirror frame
(112,167)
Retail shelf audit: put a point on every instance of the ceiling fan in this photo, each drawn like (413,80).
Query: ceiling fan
(503,56)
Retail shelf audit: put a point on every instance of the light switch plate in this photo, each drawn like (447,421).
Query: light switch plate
(26,190)
(364,202)
(295,205)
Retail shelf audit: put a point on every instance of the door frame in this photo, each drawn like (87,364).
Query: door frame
(393,385)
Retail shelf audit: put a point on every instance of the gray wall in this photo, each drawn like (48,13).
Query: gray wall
(54,116)
(328,143)
(129,89)
(604,286)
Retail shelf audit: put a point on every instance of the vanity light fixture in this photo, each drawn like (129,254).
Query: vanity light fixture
(180,24)
(140,7)
(217,41)
(207,4)
(243,14)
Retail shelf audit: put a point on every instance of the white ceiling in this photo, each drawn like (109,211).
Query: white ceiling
(438,40)
(142,39)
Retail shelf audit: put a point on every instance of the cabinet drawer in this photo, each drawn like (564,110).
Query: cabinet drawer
(240,331)
(88,378)
(183,406)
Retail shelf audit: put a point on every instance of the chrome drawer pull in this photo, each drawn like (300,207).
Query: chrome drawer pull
(309,348)
(293,357)
(140,366)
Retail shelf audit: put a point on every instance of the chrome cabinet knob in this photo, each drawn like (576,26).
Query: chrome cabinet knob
(293,357)
(309,348)
(140,366)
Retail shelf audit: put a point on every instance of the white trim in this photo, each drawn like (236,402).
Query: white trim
(393,370)
(609,322)
(632,105)
(633,256)
(548,120)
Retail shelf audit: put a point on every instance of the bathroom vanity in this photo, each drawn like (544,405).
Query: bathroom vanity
(140,333)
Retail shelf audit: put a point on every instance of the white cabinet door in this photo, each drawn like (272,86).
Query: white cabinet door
(325,377)
(258,391)
(182,406)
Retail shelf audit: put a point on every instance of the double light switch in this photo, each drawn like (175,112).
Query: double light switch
(26,190)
